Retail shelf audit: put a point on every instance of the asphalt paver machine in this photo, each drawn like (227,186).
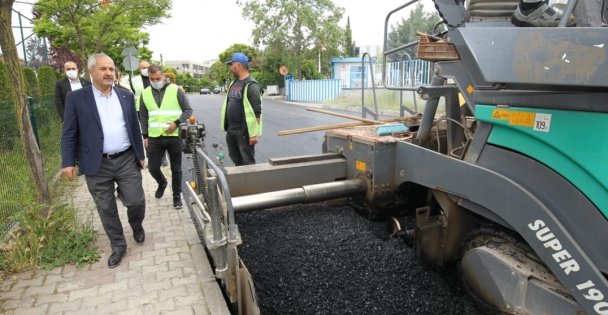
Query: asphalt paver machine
(510,181)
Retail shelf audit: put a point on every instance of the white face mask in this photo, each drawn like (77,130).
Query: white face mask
(72,74)
(144,72)
(157,85)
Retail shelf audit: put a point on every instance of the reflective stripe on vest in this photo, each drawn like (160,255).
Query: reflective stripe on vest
(159,118)
(253,128)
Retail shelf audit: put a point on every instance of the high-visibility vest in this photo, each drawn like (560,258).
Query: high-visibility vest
(254,129)
(138,86)
(160,117)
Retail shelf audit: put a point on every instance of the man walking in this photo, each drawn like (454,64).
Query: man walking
(71,82)
(241,115)
(163,107)
(140,81)
(101,130)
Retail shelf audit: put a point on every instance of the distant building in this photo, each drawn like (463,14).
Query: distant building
(196,69)
(350,72)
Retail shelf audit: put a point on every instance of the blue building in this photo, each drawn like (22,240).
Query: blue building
(350,72)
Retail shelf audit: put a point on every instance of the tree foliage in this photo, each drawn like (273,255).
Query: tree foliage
(31,82)
(37,53)
(6,89)
(348,49)
(90,26)
(405,31)
(299,29)
(220,72)
(46,81)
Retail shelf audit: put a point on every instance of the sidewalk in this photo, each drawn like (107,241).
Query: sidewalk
(168,274)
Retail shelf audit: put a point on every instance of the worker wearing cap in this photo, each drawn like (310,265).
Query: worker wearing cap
(241,115)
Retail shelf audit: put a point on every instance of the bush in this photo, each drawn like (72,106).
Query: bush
(7,110)
(268,78)
(6,89)
(46,81)
(31,82)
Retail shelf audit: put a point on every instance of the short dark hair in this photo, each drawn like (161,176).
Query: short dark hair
(155,69)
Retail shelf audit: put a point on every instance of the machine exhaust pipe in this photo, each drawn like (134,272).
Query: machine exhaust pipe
(304,194)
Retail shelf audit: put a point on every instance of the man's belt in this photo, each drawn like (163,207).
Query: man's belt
(115,155)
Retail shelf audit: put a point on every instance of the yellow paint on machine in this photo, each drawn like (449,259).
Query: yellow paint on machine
(516,118)
(361,166)
(524,119)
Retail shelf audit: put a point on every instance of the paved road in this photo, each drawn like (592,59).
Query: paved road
(278,116)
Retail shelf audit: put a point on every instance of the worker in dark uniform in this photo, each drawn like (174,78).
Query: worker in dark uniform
(163,107)
(241,115)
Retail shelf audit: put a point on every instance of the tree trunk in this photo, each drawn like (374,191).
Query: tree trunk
(15,72)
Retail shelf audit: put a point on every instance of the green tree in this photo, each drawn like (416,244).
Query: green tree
(220,72)
(19,98)
(90,26)
(405,31)
(6,88)
(349,45)
(31,82)
(37,54)
(46,81)
(300,28)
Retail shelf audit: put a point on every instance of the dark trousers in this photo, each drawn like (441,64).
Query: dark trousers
(239,149)
(156,150)
(125,171)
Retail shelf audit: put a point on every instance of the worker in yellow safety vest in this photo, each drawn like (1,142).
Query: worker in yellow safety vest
(140,81)
(241,115)
(163,108)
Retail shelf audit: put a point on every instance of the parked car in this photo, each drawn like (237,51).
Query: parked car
(216,90)
(205,91)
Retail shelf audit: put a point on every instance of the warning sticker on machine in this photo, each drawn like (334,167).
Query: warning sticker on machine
(536,121)
(542,122)
(361,166)
(524,119)
(500,114)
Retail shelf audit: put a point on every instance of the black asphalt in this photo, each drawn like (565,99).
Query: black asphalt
(320,259)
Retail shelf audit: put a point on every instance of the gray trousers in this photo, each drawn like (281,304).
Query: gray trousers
(125,171)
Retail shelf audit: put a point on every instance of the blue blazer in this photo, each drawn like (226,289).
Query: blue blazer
(82,135)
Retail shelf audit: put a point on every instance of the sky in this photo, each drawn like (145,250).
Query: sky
(200,30)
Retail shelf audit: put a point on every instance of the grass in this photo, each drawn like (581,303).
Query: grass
(41,239)
(48,241)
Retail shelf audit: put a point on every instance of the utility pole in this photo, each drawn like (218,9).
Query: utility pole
(161,60)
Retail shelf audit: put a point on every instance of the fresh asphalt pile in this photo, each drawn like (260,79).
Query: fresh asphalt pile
(319,259)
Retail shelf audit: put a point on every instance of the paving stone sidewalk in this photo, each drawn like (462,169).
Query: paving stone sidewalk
(168,274)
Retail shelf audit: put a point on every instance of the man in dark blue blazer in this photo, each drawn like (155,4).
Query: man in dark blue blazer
(101,131)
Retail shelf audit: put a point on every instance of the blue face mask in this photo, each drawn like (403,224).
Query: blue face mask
(157,85)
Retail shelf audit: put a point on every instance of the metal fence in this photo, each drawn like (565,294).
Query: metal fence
(312,90)
(16,186)
(409,73)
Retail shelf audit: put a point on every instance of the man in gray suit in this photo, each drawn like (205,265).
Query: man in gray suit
(101,130)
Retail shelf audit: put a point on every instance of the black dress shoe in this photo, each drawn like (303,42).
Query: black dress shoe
(115,258)
(139,235)
(160,191)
